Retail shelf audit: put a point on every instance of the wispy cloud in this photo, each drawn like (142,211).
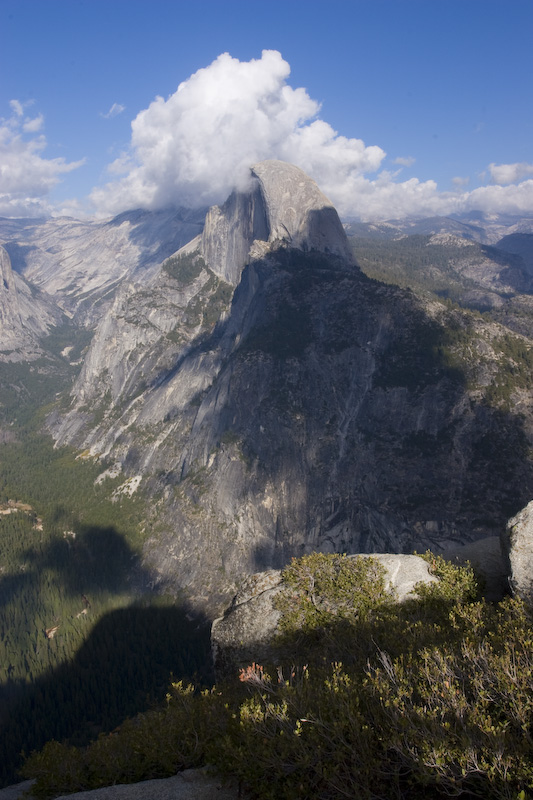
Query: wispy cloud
(114,111)
(33,125)
(407,161)
(16,107)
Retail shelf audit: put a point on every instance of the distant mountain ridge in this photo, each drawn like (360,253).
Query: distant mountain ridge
(478,227)
(26,314)
(81,263)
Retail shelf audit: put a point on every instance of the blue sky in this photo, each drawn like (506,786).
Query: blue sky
(404,106)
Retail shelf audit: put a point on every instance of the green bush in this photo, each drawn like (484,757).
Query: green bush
(449,720)
(323,598)
(319,588)
(459,716)
(155,744)
(456,584)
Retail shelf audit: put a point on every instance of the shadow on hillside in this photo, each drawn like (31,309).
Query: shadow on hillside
(369,415)
(349,392)
(124,667)
(125,662)
(84,561)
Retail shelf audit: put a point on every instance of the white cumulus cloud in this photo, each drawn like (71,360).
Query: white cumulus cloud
(513,199)
(26,176)
(194,147)
(197,145)
(502,174)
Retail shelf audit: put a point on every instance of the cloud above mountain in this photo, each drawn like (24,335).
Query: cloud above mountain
(194,147)
(510,173)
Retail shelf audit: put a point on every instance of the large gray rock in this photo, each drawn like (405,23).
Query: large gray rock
(282,207)
(404,572)
(518,545)
(244,634)
(246,631)
(298,213)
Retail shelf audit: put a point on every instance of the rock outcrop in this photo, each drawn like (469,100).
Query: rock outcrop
(191,784)
(297,212)
(282,207)
(245,633)
(518,545)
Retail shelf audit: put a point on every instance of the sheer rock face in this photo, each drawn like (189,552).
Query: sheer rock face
(297,212)
(9,307)
(230,231)
(518,545)
(25,315)
(283,206)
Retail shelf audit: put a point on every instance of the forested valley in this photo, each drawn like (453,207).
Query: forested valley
(84,642)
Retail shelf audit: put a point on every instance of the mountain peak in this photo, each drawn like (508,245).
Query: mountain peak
(298,213)
(283,206)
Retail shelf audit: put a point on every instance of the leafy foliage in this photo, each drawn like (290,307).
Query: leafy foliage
(321,591)
(456,584)
(154,744)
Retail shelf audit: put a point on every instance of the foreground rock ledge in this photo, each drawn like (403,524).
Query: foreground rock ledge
(192,784)
(244,634)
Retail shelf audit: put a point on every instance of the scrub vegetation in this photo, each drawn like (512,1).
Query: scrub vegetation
(428,698)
